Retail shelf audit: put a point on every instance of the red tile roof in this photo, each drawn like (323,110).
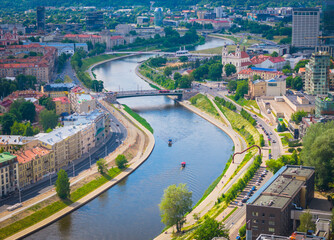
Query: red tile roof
(63,100)
(30,154)
(81,36)
(116,37)
(6,103)
(259,59)
(276,59)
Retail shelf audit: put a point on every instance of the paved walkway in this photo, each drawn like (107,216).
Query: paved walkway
(141,156)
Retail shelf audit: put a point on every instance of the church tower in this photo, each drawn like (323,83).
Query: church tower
(238,52)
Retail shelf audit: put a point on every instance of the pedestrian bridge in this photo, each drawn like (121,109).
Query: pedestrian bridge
(113,96)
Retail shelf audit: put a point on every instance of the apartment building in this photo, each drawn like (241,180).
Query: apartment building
(14,143)
(8,173)
(63,106)
(82,103)
(263,73)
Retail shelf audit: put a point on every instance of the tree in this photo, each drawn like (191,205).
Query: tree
(167,71)
(274,54)
(232,85)
(28,111)
(121,161)
(298,116)
(17,128)
(8,120)
(102,165)
(183,58)
(175,203)
(47,103)
(210,229)
(301,64)
(297,83)
(318,151)
(230,69)
(306,222)
(215,71)
(242,89)
(63,185)
(177,76)
(48,119)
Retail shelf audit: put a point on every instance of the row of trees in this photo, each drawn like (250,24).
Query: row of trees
(294,82)
(298,116)
(247,116)
(76,62)
(225,103)
(239,86)
(62,60)
(275,164)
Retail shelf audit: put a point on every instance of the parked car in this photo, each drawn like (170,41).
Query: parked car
(257,183)
(253,188)
(274,141)
(240,203)
(244,200)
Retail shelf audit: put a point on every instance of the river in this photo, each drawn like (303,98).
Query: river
(130,209)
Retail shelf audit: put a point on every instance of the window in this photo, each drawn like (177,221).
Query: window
(271,223)
(271,229)
(255,221)
(263,214)
(255,214)
(271,215)
(263,221)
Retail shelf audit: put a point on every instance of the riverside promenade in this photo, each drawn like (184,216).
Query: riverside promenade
(146,145)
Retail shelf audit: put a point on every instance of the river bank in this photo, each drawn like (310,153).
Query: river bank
(135,136)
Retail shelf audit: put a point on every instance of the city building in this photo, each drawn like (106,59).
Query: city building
(9,37)
(8,27)
(217,24)
(158,16)
(309,121)
(142,20)
(55,90)
(293,60)
(294,236)
(324,105)
(271,88)
(40,18)
(67,48)
(65,143)
(34,164)
(63,106)
(268,49)
(14,143)
(269,210)
(317,74)
(239,59)
(110,41)
(327,21)
(94,20)
(263,73)
(263,61)
(82,103)
(219,12)
(5,105)
(41,66)
(171,23)
(305,27)
(9,173)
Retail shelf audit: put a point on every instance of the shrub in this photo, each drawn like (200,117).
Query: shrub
(290,150)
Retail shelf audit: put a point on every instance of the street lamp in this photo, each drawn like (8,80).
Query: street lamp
(20,194)
(73,169)
(90,159)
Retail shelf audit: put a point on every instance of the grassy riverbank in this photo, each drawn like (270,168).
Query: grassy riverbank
(43,213)
(88,62)
(202,102)
(136,116)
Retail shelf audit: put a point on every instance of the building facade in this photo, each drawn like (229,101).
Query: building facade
(263,73)
(158,16)
(82,103)
(9,174)
(94,20)
(40,19)
(239,59)
(9,38)
(305,27)
(317,74)
(63,106)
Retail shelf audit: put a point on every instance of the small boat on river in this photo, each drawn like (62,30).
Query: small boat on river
(170,142)
(183,164)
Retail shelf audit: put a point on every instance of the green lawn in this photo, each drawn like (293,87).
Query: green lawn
(203,103)
(51,209)
(244,102)
(86,63)
(285,137)
(138,118)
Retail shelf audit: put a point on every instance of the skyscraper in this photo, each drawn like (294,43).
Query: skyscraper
(40,15)
(327,20)
(317,74)
(158,16)
(305,27)
(218,11)
(94,20)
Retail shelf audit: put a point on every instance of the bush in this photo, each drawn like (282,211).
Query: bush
(290,150)
(299,149)
(261,140)
(225,103)
(248,117)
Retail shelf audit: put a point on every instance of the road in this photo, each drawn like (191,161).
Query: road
(222,92)
(118,135)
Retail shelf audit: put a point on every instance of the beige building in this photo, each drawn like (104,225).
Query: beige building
(270,88)
(63,105)
(240,59)
(14,143)
(65,143)
(35,164)
(82,103)
(9,173)
(263,73)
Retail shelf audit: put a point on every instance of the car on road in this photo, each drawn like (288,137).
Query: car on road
(240,203)
(270,155)
(257,183)
(274,141)
(271,133)
(253,188)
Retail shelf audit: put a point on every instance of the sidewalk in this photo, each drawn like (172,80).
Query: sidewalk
(141,156)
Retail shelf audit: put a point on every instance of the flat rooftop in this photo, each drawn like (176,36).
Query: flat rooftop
(4,157)
(279,189)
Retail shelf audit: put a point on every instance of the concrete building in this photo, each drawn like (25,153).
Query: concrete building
(219,12)
(63,106)
(324,105)
(65,143)
(82,103)
(305,27)
(142,20)
(34,164)
(269,210)
(239,59)
(14,143)
(40,18)
(309,121)
(317,74)
(158,16)
(55,90)
(270,88)
(269,49)
(9,173)
(263,73)
(67,48)
(42,67)
(263,61)
(94,20)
